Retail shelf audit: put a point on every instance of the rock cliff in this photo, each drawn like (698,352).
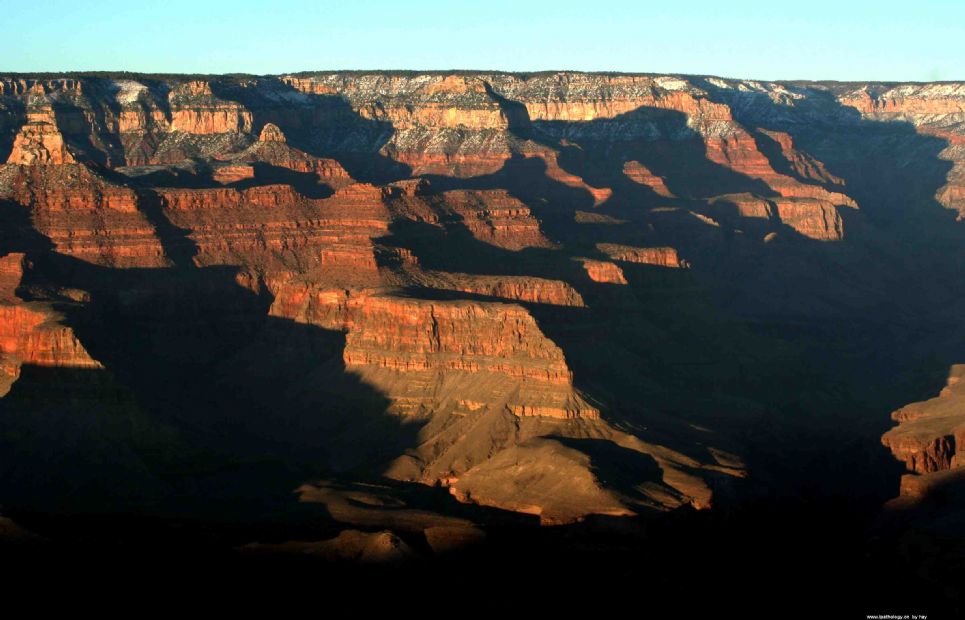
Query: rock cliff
(929,437)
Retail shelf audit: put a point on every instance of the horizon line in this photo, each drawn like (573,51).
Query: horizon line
(231,74)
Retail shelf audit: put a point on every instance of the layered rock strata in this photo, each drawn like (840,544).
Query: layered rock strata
(467,244)
(931,434)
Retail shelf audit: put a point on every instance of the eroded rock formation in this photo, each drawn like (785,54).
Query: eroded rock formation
(930,436)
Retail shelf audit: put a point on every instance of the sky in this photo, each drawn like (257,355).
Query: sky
(816,39)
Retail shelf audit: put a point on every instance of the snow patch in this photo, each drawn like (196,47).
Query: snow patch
(128,91)
(671,83)
(928,91)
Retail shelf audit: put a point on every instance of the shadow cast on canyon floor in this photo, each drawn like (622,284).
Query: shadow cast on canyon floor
(207,404)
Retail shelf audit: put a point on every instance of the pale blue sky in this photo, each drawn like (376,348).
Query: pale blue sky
(814,39)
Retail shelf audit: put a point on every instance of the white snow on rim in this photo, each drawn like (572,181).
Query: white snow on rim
(954,90)
(128,91)
(671,83)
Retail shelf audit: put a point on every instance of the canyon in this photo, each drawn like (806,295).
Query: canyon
(419,303)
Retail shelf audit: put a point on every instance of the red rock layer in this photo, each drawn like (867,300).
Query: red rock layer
(450,125)
(812,217)
(409,348)
(496,218)
(39,141)
(803,164)
(515,288)
(233,173)
(195,110)
(453,164)
(583,97)
(83,215)
(744,205)
(603,271)
(930,436)
(663,257)
(11,273)
(910,99)
(421,335)
(411,334)
(555,172)
(271,148)
(638,173)
(21,87)
(272,227)
(30,332)
(738,151)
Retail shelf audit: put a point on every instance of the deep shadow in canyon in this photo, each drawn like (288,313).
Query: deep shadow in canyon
(213,407)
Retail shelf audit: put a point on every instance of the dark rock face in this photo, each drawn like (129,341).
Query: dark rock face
(550,295)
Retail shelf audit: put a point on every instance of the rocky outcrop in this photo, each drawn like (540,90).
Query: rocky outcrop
(513,288)
(32,332)
(233,173)
(418,352)
(744,205)
(274,227)
(452,101)
(446,124)
(812,217)
(39,141)
(662,257)
(196,110)
(930,434)
(407,335)
(603,271)
(11,274)
(739,152)
(271,148)
(497,218)
(803,165)
(910,101)
(557,173)
(638,173)
(84,215)
(271,133)
(575,97)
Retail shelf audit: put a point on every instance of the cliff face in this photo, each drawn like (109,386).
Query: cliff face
(507,267)
(32,332)
(930,436)
(933,109)
(39,141)
(928,441)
